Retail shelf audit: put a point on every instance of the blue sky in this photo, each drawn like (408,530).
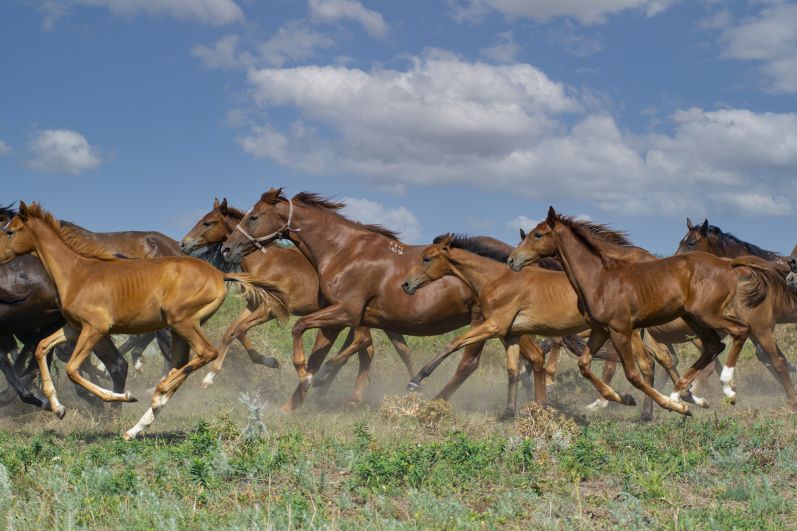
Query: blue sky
(427,116)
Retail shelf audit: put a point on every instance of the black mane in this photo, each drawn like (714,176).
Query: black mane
(481,245)
(8,210)
(726,239)
(211,254)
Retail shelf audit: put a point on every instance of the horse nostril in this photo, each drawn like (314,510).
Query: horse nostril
(182,246)
(225,251)
(510,261)
(405,285)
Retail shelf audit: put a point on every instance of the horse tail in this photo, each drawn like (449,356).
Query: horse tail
(764,276)
(258,292)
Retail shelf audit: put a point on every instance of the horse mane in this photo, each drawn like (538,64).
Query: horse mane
(588,232)
(767,281)
(727,239)
(8,210)
(72,237)
(481,245)
(324,203)
(212,255)
(234,212)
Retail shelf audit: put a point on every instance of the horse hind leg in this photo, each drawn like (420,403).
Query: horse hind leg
(780,367)
(403,350)
(8,344)
(87,339)
(366,355)
(191,333)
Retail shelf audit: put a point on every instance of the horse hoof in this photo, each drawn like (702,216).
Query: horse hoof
(127,436)
(130,398)
(687,412)
(628,400)
(60,412)
(271,362)
(413,386)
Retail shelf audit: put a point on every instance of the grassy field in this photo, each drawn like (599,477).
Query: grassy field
(399,462)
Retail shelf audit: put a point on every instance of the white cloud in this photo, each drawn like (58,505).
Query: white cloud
(221,54)
(399,219)
(62,151)
(214,12)
(53,11)
(334,10)
(523,223)
(771,39)
(293,41)
(447,121)
(503,50)
(586,11)
(5,149)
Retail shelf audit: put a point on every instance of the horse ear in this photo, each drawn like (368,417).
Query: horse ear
(704,227)
(689,224)
(551,219)
(522,234)
(446,241)
(223,206)
(215,203)
(272,195)
(23,211)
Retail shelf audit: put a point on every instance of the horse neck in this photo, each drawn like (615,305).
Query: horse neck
(474,270)
(321,235)
(230,223)
(58,259)
(583,268)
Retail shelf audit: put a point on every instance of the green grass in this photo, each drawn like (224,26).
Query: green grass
(329,466)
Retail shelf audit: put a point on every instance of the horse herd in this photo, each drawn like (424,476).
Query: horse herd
(65,289)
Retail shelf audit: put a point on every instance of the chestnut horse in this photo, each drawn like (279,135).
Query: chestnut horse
(360,268)
(618,296)
(780,309)
(103,295)
(288,268)
(534,301)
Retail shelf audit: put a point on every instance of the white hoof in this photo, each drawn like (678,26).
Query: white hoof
(208,380)
(597,404)
(675,398)
(727,375)
(139,366)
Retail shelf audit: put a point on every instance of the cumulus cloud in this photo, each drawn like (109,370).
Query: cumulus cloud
(770,39)
(62,151)
(523,223)
(585,11)
(335,10)
(400,219)
(503,50)
(444,120)
(213,12)
(221,54)
(5,149)
(53,11)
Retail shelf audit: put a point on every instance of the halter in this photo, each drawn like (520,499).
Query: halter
(277,234)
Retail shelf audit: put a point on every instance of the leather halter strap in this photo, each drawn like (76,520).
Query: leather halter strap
(257,241)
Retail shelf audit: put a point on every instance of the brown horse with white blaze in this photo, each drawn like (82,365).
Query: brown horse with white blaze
(360,269)
(618,296)
(103,295)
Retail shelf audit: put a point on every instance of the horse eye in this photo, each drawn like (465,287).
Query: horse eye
(690,244)
(206,224)
(426,259)
(538,235)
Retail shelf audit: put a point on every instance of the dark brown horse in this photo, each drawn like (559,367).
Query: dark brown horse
(712,239)
(360,269)
(298,280)
(618,296)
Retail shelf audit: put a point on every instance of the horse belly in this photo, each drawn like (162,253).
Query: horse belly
(538,323)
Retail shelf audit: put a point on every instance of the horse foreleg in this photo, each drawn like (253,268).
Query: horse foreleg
(324,340)
(114,362)
(8,345)
(366,355)
(512,346)
(780,367)
(42,349)
(359,338)
(400,344)
(85,343)
(552,360)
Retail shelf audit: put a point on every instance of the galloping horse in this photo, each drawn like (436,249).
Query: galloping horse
(104,295)
(288,268)
(534,301)
(360,268)
(774,309)
(618,296)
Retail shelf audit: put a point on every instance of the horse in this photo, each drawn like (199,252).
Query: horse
(535,301)
(297,279)
(104,295)
(618,295)
(360,268)
(783,309)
